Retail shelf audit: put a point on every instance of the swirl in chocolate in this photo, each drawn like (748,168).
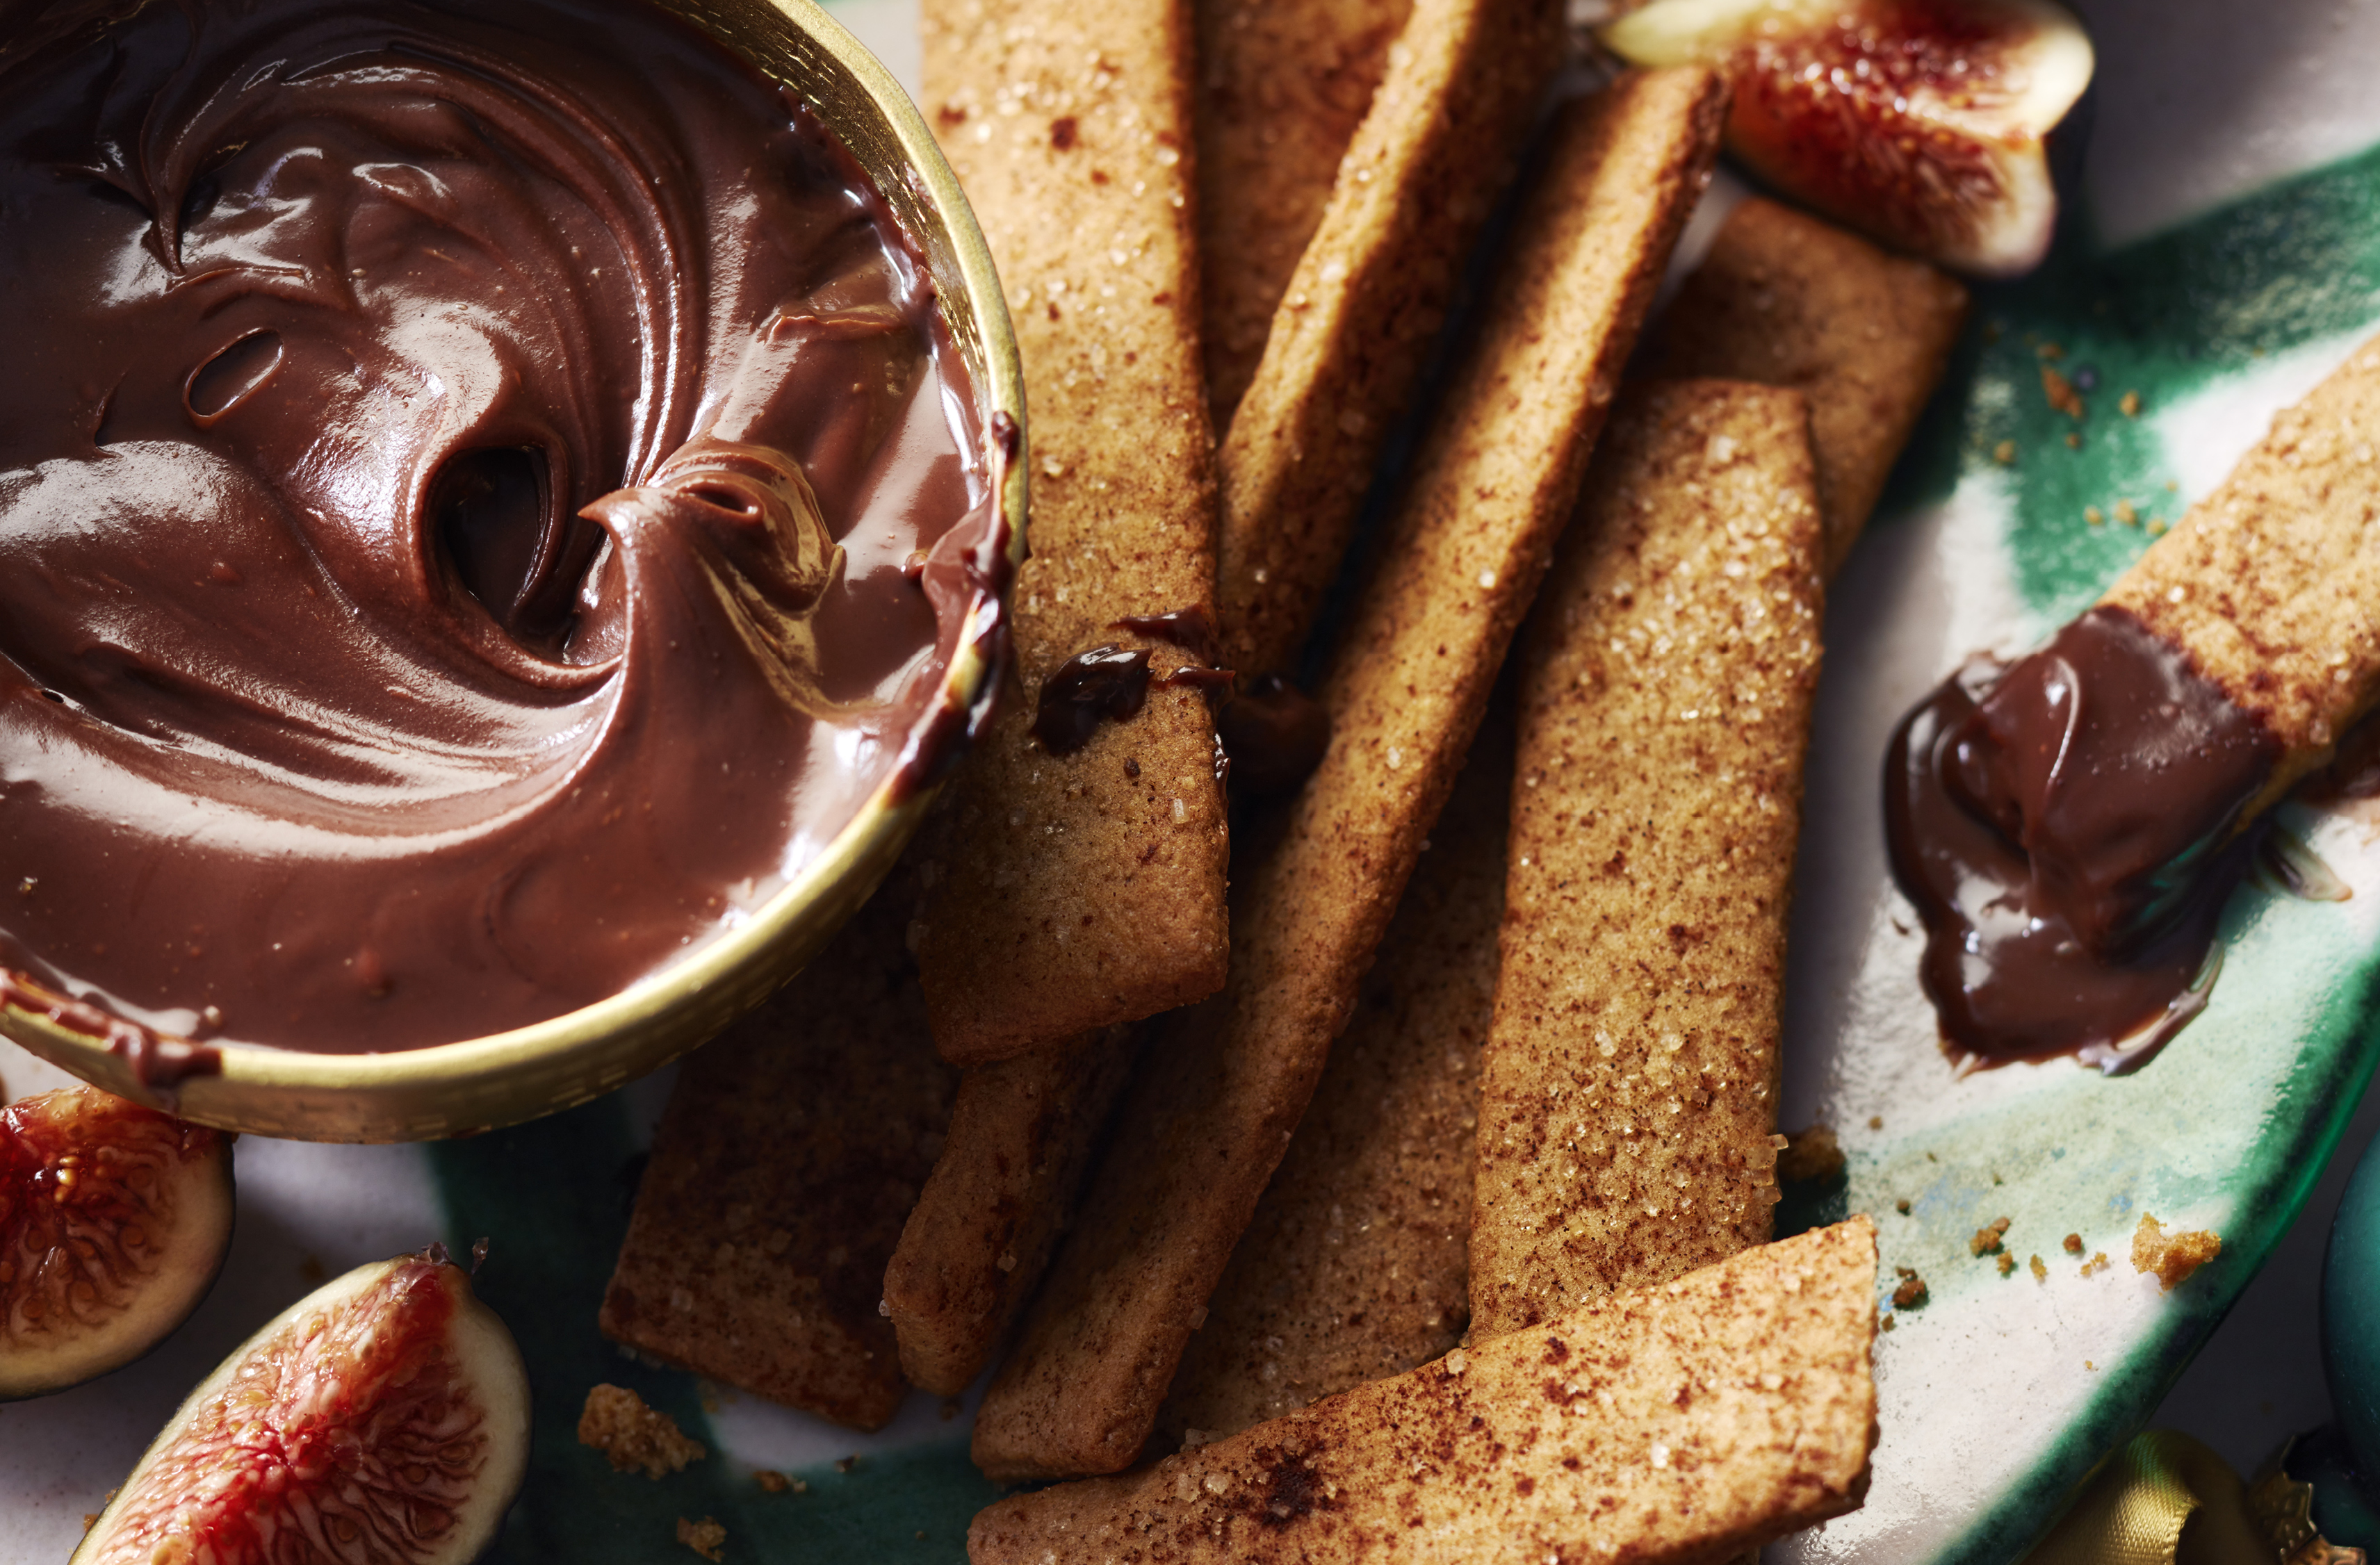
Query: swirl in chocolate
(2069,828)
(458,463)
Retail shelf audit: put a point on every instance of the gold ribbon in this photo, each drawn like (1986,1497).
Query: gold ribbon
(2165,1498)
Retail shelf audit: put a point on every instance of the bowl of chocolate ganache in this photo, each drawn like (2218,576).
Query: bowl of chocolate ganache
(505,511)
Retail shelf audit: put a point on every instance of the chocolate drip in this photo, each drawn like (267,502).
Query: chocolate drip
(1274,734)
(1106,684)
(2068,827)
(1192,629)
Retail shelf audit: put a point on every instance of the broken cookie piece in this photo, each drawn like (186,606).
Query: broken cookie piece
(633,1437)
(2171,1257)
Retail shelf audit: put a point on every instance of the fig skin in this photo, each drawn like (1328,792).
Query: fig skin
(1922,123)
(383,1417)
(115,1220)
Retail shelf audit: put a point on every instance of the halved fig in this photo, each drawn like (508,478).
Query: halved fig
(383,1417)
(114,1220)
(1920,122)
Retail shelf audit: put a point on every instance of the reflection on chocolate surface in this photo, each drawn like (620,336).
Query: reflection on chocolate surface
(457,466)
(2068,827)
(1106,684)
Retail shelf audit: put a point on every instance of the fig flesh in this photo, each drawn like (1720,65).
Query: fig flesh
(114,1220)
(1919,122)
(385,1417)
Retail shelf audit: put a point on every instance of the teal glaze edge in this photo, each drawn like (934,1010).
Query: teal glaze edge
(552,1197)
(2157,1360)
(2165,316)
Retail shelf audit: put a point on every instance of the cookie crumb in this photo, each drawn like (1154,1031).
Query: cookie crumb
(2073,1242)
(2060,393)
(2095,1265)
(1987,1241)
(775,1482)
(2130,404)
(1911,1292)
(704,1536)
(1901,1205)
(2171,1257)
(2040,1272)
(1811,1155)
(631,1434)
(2005,453)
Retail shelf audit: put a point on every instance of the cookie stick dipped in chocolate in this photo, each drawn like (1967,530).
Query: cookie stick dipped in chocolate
(1087,886)
(791,1151)
(1207,1118)
(1686,1422)
(2071,826)
(1282,85)
(1356,1263)
(1628,1088)
(1364,306)
(1022,1133)
(1788,299)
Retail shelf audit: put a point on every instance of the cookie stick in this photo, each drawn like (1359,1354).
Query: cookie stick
(1787,300)
(1364,306)
(1088,888)
(2271,586)
(1685,1423)
(1356,1265)
(2214,674)
(1628,1088)
(789,1156)
(1283,84)
(1020,1141)
(1208,1117)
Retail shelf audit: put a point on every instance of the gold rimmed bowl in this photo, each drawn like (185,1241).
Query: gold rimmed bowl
(478,1083)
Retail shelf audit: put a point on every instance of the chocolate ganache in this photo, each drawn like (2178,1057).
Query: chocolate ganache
(485,497)
(2068,827)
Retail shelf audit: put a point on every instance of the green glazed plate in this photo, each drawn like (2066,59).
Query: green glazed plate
(2226,256)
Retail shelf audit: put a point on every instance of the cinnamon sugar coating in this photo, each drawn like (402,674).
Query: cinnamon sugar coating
(793,1147)
(1788,299)
(1077,896)
(1207,1120)
(2272,583)
(1367,298)
(1355,1266)
(1283,84)
(1628,1095)
(1684,1423)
